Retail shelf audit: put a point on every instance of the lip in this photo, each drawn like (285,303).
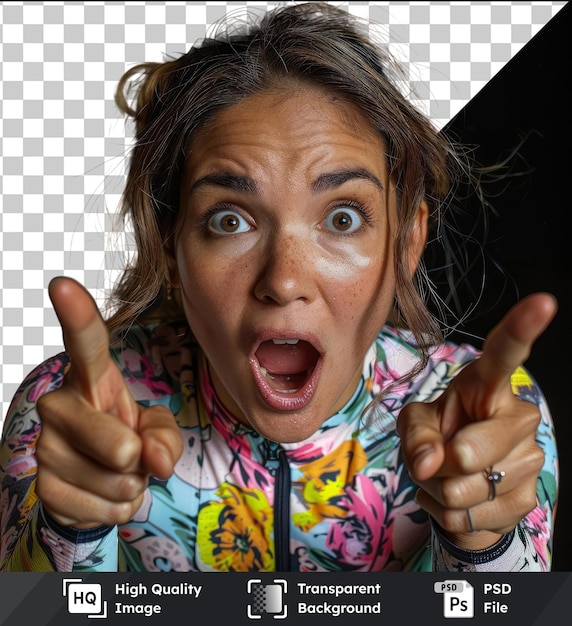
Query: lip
(282,401)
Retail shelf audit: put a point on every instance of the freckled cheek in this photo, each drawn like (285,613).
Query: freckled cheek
(199,280)
(351,267)
(339,270)
(360,289)
(214,294)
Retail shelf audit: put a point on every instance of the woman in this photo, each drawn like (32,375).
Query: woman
(272,391)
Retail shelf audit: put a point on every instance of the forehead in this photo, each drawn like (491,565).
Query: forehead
(300,131)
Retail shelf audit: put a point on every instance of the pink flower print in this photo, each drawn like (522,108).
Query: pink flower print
(47,380)
(362,538)
(23,459)
(141,370)
(445,352)
(383,377)
(536,523)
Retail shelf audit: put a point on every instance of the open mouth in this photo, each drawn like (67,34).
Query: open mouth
(286,371)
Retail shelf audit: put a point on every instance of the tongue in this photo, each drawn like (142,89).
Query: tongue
(286,359)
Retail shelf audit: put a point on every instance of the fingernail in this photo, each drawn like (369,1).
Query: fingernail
(421,454)
(421,458)
(166,462)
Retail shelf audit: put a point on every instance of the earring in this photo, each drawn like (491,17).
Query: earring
(169,294)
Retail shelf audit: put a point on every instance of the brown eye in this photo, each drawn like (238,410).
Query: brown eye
(226,223)
(344,220)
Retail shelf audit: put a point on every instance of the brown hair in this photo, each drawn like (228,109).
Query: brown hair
(315,44)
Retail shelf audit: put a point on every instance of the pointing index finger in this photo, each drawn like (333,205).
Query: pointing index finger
(509,344)
(84,332)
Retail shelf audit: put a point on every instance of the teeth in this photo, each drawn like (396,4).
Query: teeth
(281,342)
(264,371)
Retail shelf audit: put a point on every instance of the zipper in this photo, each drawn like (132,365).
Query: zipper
(277,463)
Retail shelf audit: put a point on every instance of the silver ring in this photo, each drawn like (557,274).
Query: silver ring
(471,527)
(493,478)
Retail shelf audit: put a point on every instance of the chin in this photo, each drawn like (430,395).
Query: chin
(286,428)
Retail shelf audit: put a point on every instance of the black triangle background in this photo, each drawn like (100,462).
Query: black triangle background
(527,105)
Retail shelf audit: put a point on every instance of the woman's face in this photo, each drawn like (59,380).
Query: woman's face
(284,256)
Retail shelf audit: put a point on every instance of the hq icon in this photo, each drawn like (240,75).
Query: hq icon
(84,598)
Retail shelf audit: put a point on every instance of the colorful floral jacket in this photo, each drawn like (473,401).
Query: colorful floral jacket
(340,501)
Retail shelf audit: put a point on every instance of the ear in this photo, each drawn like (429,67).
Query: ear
(418,237)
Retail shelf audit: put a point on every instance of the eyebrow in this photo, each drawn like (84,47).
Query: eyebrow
(324,182)
(331,180)
(244,184)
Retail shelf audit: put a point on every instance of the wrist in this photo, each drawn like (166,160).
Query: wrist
(478,540)
(73,533)
(472,555)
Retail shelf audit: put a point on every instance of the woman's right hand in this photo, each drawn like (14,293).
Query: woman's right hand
(97,447)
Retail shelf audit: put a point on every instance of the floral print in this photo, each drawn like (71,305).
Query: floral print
(235,533)
(363,538)
(349,499)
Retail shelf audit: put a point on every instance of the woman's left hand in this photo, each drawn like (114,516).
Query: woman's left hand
(473,451)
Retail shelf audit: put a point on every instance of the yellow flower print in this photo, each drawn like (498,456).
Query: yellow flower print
(324,481)
(28,503)
(520,379)
(235,533)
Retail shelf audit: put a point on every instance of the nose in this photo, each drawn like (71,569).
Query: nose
(286,273)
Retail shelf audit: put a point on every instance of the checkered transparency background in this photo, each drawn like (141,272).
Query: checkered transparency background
(64,145)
